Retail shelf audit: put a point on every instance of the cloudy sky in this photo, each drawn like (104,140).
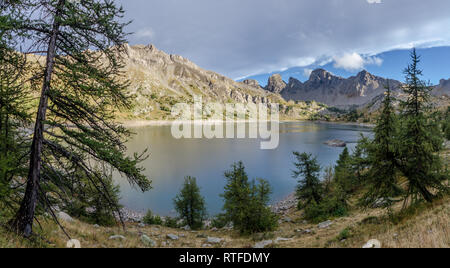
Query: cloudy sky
(243,38)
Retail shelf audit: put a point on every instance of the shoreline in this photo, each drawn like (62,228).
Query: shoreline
(280,207)
(146,123)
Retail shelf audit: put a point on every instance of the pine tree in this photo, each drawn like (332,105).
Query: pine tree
(190,205)
(246,202)
(82,86)
(309,188)
(419,137)
(382,177)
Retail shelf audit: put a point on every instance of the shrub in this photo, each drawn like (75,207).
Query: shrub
(328,208)
(151,219)
(220,221)
(171,222)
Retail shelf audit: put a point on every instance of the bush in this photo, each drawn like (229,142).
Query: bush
(220,221)
(151,219)
(328,208)
(171,222)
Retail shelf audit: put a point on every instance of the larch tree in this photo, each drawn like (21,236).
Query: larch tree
(190,204)
(419,137)
(75,136)
(309,188)
(382,176)
(14,117)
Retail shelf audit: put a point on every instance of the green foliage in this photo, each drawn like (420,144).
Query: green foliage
(383,174)
(14,116)
(344,175)
(446,124)
(151,219)
(419,138)
(171,222)
(309,188)
(90,206)
(190,205)
(330,207)
(344,234)
(220,221)
(82,87)
(246,202)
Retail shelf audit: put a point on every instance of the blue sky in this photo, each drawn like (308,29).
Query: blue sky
(435,63)
(244,38)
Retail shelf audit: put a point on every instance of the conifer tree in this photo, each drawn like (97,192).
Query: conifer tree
(344,175)
(246,202)
(82,86)
(382,177)
(14,117)
(419,137)
(309,188)
(190,205)
(359,161)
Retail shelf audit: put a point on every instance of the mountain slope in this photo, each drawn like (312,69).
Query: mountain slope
(159,80)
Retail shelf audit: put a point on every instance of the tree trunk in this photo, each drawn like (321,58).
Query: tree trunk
(23,222)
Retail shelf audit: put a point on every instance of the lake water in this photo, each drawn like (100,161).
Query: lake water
(207,159)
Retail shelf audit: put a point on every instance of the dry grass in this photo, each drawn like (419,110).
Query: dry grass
(426,226)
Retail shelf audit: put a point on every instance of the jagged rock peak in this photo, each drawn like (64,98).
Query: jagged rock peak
(276,84)
(251,82)
(365,75)
(444,83)
(320,74)
(294,82)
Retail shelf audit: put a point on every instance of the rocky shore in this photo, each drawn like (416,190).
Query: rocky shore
(286,204)
(281,207)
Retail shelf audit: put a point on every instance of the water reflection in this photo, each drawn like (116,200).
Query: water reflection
(207,159)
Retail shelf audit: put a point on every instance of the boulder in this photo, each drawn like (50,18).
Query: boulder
(373,243)
(64,216)
(263,244)
(186,228)
(281,239)
(172,237)
(336,143)
(214,240)
(73,243)
(324,225)
(147,241)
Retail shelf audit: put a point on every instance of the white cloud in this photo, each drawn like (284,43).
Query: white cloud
(307,72)
(374,1)
(349,62)
(238,40)
(354,61)
(145,33)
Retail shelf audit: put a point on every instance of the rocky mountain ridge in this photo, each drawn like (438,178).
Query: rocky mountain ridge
(324,87)
(159,80)
(359,90)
